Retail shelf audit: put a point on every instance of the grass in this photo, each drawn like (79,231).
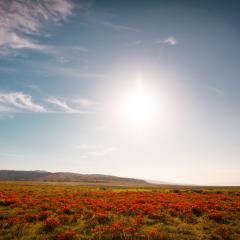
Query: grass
(65,211)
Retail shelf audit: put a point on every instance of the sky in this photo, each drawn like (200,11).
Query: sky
(142,89)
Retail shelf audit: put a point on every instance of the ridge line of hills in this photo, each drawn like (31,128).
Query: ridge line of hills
(45,176)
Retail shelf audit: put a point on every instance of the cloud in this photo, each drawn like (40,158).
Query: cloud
(4,109)
(84,146)
(12,102)
(170,41)
(18,102)
(94,151)
(77,105)
(33,87)
(114,26)
(105,151)
(108,20)
(62,104)
(84,102)
(21,20)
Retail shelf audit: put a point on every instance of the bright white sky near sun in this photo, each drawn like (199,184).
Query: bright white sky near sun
(144,89)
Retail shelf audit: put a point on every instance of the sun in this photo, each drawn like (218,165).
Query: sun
(139,107)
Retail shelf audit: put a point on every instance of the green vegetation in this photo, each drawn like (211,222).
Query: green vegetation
(65,211)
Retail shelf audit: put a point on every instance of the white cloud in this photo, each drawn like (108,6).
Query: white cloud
(77,105)
(33,87)
(170,41)
(18,102)
(105,151)
(12,102)
(94,151)
(20,20)
(4,109)
(84,102)
(84,146)
(62,104)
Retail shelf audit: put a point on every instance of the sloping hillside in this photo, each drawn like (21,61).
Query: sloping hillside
(11,175)
(22,175)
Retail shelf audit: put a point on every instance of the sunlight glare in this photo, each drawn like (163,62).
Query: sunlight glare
(140,107)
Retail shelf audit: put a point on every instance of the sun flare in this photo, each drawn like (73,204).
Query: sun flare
(139,107)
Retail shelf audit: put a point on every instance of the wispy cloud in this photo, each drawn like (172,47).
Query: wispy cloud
(94,151)
(13,102)
(20,20)
(84,102)
(76,105)
(32,86)
(115,26)
(104,151)
(85,146)
(106,19)
(66,54)
(4,109)
(62,104)
(18,102)
(169,40)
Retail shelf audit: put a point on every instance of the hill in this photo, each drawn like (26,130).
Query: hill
(12,175)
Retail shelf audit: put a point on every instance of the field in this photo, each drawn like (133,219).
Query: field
(71,211)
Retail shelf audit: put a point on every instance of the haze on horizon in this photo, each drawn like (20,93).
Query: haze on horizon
(141,89)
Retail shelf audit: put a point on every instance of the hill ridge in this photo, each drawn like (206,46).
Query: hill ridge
(40,175)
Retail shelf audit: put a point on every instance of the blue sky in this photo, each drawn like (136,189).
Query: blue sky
(67,68)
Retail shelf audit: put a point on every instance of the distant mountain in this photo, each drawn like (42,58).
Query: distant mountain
(11,175)
(22,175)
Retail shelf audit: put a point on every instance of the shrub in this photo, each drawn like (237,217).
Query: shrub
(30,217)
(44,214)
(50,224)
(223,232)
(67,235)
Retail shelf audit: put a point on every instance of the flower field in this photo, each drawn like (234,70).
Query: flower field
(65,212)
